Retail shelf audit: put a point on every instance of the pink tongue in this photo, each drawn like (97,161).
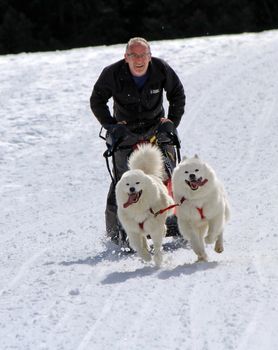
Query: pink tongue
(132,198)
(194,185)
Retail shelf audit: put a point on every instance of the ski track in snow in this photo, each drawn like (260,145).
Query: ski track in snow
(62,286)
(22,272)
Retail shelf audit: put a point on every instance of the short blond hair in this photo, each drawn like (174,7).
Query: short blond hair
(137,40)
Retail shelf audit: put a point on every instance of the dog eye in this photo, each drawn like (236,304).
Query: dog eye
(186,172)
(137,183)
(196,170)
(127,184)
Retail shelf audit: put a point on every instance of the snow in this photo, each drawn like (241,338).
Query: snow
(62,285)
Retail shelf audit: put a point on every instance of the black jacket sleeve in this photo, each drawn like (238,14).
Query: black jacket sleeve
(102,92)
(175,95)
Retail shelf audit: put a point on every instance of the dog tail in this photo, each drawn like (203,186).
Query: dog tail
(149,159)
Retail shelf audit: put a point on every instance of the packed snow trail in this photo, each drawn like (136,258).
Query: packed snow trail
(62,286)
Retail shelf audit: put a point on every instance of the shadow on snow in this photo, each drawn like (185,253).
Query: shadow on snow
(186,269)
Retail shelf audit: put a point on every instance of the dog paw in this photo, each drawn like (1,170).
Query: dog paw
(218,247)
(202,258)
(157,260)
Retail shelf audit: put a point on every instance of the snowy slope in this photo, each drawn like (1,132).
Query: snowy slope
(61,285)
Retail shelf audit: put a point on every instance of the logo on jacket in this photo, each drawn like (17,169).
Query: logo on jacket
(155,91)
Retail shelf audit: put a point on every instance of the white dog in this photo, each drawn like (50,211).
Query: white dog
(203,207)
(140,195)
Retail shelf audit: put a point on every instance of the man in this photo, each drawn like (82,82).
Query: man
(136,84)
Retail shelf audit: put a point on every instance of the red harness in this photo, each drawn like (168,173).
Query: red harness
(200,210)
(161,211)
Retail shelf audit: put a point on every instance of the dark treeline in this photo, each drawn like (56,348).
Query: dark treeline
(39,25)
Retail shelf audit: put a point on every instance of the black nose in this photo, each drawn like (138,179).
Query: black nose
(192,177)
(132,189)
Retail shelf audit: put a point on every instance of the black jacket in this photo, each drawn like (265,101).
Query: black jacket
(136,106)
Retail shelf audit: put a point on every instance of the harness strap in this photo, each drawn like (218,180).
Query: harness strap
(161,211)
(200,210)
(141,224)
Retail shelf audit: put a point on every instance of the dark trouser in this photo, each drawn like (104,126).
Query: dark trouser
(111,219)
(121,160)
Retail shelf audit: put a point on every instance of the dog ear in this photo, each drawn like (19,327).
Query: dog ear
(196,156)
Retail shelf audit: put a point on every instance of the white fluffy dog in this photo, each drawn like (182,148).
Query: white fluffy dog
(140,195)
(203,206)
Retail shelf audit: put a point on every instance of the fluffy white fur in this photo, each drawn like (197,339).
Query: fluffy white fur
(195,185)
(140,193)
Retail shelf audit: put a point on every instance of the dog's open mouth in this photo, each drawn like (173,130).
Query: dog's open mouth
(132,198)
(194,185)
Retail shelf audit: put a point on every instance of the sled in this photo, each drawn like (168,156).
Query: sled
(165,135)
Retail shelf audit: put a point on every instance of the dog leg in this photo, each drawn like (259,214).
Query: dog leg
(139,243)
(215,228)
(196,238)
(145,248)
(198,246)
(197,243)
(157,237)
(219,244)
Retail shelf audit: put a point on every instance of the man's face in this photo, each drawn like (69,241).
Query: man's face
(138,58)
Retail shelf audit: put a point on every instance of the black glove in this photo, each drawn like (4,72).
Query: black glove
(116,133)
(167,133)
